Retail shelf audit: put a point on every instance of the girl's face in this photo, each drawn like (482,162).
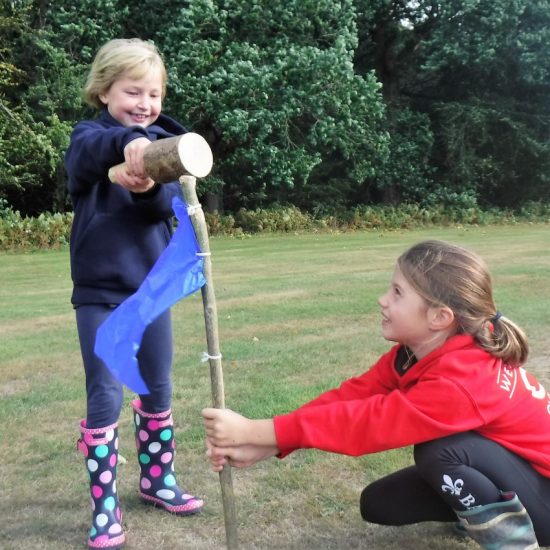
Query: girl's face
(406,318)
(135,102)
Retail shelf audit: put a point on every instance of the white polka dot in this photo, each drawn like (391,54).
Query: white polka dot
(101,520)
(137,419)
(114,486)
(106,476)
(145,483)
(92,465)
(109,434)
(115,529)
(166,494)
(154,447)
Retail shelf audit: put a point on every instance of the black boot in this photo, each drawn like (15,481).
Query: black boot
(156,450)
(100,449)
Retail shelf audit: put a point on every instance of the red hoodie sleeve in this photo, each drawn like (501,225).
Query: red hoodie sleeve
(431,409)
(379,379)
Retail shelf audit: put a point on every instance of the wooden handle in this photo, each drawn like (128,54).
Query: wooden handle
(168,159)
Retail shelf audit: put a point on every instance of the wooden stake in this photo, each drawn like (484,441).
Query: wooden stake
(165,160)
(216,373)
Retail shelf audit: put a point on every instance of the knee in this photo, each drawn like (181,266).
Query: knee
(423,455)
(370,504)
(104,406)
(431,454)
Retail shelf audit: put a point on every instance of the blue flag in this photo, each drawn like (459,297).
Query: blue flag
(177,273)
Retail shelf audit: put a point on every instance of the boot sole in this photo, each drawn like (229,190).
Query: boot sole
(177,510)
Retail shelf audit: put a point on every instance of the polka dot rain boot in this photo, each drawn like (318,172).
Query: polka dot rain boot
(100,449)
(156,450)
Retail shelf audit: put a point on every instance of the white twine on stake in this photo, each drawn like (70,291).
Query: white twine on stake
(193,209)
(205,357)
(203,254)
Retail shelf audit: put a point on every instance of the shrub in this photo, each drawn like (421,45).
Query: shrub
(53,230)
(23,233)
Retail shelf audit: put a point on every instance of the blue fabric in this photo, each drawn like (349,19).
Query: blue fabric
(177,273)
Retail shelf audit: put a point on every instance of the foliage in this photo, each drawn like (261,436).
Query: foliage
(319,104)
(46,230)
(405,174)
(495,123)
(273,88)
(480,71)
(32,100)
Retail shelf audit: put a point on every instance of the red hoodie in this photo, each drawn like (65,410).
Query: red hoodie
(456,388)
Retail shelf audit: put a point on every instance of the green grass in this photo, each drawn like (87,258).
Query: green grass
(297,315)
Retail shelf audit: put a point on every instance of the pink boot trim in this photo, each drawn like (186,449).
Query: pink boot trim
(88,433)
(114,543)
(166,415)
(192,506)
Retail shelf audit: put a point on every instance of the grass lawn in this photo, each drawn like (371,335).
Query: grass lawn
(297,315)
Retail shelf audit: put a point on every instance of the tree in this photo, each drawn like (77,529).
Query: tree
(390,38)
(33,99)
(492,65)
(272,87)
(318,103)
(479,70)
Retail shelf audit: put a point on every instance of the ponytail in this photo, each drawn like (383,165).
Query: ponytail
(502,338)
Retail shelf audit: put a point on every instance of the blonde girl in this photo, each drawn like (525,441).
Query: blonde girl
(118,233)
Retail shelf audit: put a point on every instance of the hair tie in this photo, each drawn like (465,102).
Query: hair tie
(497,316)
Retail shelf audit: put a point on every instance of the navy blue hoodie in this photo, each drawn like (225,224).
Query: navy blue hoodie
(117,235)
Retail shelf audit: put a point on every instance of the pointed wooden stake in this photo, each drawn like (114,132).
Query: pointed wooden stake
(211,321)
(165,160)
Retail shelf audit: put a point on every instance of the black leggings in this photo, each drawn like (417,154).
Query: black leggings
(455,473)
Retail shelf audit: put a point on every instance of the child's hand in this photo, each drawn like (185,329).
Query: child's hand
(129,181)
(238,457)
(133,156)
(225,428)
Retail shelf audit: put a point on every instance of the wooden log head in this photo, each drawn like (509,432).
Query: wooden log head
(167,159)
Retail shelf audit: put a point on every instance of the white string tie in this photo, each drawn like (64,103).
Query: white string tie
(193,209)
(203,254)
(205,357)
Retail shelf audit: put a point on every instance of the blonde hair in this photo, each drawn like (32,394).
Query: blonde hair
(445,274)
(122,56)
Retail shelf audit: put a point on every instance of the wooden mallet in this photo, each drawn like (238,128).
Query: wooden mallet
(168,159)
(186,158)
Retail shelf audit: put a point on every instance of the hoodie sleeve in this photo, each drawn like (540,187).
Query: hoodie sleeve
(94,148)
(380,379)
(431,409)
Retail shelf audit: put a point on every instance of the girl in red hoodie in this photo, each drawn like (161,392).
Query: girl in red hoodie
(453,386)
